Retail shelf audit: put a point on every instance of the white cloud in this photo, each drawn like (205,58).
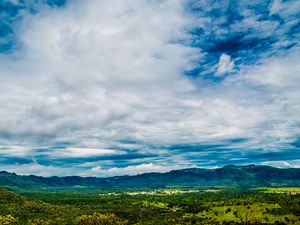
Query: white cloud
(285,8)
(97,72)
(15,151)
(225,65)
(130,170)
(282,164)
(38,169)
(84,152)
(83,73)
(97,171)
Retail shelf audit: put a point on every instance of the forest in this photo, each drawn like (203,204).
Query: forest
(213,205)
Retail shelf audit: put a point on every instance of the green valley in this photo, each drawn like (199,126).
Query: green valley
(149,206)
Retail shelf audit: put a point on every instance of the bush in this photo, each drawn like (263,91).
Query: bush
(100,219)
(228,210)
(8,220)
(38,222)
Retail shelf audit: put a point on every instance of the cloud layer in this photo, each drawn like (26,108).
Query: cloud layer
(122,87)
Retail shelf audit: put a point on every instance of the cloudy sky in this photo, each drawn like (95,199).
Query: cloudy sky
(103,88)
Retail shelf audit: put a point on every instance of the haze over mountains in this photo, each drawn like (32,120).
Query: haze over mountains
(251,175)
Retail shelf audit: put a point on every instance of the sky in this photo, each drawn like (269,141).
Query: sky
(104,88)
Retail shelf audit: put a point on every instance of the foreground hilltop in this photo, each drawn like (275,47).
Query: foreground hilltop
(244,176)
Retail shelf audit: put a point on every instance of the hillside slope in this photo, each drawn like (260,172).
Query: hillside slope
(251,175)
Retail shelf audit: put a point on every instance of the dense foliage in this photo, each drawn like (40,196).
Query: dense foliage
(87,207)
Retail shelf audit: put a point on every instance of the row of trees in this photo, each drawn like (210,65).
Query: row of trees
(95,219)
(111,219)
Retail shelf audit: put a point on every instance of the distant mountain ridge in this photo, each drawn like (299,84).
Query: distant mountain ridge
(245,176)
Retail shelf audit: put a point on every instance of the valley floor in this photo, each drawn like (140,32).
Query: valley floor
(83,206)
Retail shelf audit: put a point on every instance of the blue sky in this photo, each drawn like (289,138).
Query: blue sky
(104,88)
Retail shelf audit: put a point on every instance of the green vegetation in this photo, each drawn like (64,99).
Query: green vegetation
(99,219)
(145,207)
(287,190)
(8,219)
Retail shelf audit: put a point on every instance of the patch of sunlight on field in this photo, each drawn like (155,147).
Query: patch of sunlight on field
(156,192)
(286,190)
(160,205)
(244,213)
(169,191)
(212,190)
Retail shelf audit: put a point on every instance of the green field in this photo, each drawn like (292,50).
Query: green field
(215,205)
(286,190)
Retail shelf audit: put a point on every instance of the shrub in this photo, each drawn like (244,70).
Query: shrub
(228,210)
(38,222)
(8,220)
(100,219)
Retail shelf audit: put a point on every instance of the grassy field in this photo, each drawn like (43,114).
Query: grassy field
(214,205)
(286,190)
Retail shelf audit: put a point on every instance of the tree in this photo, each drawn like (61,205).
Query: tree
(100,219)
(38,222)
(8,220)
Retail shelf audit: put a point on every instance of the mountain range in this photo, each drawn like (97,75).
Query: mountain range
(230,175)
